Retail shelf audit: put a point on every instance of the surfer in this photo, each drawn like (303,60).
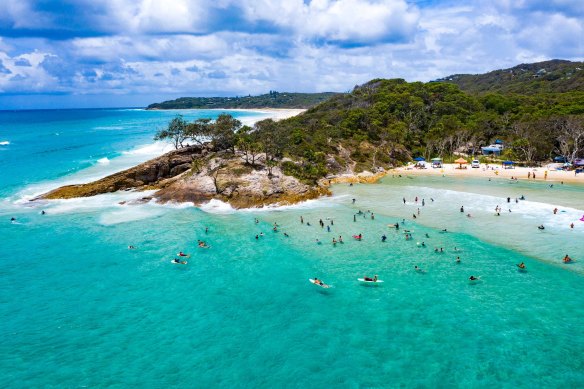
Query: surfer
(12,219)
(473,278)
(131,247)
(374,279)
(181,254)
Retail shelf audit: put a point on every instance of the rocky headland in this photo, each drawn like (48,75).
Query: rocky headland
(198,174)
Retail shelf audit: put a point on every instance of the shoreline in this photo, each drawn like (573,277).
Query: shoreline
(496,171)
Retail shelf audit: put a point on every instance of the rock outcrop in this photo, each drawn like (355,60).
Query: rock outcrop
(152,174)
(195,174)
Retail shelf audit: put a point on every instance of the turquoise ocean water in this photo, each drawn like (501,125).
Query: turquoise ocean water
(78,309)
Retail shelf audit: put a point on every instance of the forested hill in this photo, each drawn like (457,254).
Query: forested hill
(270,100)
(553,76)
(387,122)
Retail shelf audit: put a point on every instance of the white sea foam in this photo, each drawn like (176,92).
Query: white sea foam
(217,207)
(103,161)
(104,202)
(4,143)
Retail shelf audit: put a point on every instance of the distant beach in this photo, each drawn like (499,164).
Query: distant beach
(270,113)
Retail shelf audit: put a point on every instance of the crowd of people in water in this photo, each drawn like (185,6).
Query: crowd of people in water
(440,250)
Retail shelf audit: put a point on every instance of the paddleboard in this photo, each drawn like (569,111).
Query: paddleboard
(369,282)
(179,263)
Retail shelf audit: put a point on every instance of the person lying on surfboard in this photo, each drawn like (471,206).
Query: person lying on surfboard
(374,279)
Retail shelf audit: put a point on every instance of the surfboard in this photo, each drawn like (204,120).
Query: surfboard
(315,283)
(179,263)
(369,282)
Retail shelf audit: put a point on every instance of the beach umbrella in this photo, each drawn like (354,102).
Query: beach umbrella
(419,159)
(460,162)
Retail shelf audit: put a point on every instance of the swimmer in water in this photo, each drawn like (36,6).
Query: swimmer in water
(473,278)
(567,259)
(383,238)
(521,265)
(541,227)
(457,259)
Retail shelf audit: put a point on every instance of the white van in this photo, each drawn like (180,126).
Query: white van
(475,163)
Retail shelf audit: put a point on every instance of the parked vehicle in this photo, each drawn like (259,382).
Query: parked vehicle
(475,163)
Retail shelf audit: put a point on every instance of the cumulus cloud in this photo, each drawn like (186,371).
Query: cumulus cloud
(219,47)
(343,21)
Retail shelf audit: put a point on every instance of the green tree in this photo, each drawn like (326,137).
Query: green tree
(175,131)
(199,131)
(223,132)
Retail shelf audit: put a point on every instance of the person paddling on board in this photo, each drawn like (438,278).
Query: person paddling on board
(181,254)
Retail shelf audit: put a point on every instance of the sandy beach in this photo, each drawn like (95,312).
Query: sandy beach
(273,113)
(492,170)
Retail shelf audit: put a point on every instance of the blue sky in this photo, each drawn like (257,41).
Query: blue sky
(96,53)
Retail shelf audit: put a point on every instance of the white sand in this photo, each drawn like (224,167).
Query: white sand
(497,171)
(271,113)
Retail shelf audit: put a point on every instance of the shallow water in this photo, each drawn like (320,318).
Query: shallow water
(79,308)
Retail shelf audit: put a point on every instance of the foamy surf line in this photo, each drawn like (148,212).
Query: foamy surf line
(4,143)
(219,207)
(102,167)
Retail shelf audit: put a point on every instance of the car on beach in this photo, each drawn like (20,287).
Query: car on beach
(475,163)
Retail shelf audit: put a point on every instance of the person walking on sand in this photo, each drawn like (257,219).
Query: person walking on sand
(528,175)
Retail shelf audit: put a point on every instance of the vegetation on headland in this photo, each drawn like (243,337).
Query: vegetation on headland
(270,100)
(555,76)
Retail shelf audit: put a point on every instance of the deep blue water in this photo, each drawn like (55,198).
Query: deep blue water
(79,309)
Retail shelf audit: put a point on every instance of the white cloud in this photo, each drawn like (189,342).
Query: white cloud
(202,47)
(359,21)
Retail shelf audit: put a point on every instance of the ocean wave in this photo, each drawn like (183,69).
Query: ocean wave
(217,207)
(4,143)
(153,149)
(103,161)
(109,128)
